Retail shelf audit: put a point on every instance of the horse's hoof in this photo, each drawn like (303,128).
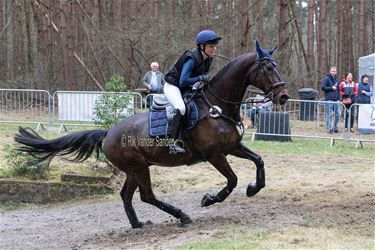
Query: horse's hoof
(185,219)
(138,225)
(207,200)
(252,190)
(148,223)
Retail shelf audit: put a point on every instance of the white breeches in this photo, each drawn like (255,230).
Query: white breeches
(174,97)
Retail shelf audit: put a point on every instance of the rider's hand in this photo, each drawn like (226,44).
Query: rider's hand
(196,85)
(205,77)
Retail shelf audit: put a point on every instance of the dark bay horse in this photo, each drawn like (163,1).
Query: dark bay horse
(128,147)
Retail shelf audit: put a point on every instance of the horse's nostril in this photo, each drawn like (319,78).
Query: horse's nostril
(283,98)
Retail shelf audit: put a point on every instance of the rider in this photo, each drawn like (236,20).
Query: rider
(191,67)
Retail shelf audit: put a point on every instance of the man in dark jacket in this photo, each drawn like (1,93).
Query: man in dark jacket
(329,85)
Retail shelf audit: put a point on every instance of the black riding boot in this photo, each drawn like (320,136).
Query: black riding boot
(175,148)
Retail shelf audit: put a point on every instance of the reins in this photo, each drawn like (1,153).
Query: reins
(264,100)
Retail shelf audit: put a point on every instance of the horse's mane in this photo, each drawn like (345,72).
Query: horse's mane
(223,70)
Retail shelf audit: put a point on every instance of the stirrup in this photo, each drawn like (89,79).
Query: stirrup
(175,148)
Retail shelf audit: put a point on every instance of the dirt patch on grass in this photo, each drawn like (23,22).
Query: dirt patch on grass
(302,192)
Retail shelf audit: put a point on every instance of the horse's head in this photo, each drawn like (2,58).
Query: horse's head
(267,77)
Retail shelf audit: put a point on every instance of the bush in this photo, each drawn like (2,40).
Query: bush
(23,164)
(111,108)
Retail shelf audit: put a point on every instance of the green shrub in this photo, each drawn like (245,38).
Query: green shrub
(21,164)
(111,108)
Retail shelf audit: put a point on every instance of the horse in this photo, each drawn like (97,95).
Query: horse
(216,135)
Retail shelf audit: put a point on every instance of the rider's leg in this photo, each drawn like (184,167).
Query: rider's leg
(174,97)
(177,146)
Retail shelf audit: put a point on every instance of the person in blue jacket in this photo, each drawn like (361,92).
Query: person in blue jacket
(364,90)
(330,86)
(191,67)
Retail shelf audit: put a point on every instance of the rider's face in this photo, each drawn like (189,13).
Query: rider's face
(210,49)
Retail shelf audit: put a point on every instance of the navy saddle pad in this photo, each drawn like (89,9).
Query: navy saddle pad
(158,120)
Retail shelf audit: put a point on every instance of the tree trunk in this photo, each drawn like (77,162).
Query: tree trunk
(67,45)
(3,50)
(283,35)
(19,51)
(330,34)
(322,45)
(260,22)
(28,42)
(362,32)
(310,41)
(350,38)
(245,26)
(43,19)
(339,36)
(117,24)
(299,46)
(9,38)
(346,51)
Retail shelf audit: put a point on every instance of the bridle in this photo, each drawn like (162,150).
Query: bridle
(272,86)
(269,92)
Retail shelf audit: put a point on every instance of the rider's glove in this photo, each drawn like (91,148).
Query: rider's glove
(205,77)
(197,85)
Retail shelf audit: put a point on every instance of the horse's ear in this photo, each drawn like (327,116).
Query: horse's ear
(272,50)
(258,49)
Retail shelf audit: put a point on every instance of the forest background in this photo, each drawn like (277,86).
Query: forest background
(79,45)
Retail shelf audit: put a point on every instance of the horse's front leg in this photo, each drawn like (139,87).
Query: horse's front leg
(221,164)
(243,152)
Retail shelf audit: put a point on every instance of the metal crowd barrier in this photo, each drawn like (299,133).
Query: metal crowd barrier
(297,118)
(25,106)
(306,119)
(39,107)
(76,108)
(79,105)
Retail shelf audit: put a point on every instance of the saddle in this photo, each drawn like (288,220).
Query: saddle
(161,114)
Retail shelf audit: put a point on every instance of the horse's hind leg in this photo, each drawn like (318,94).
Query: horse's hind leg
(221,164)
(127,195)
(148,196)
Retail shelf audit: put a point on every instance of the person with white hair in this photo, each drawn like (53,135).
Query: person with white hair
(153,80)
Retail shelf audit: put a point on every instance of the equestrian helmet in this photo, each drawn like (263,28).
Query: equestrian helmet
(207,37)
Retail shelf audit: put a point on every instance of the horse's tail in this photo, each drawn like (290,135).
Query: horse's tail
(80,144)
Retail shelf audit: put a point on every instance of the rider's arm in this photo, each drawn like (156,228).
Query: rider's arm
(187,70)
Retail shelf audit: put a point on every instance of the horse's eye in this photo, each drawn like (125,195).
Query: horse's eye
(269,67)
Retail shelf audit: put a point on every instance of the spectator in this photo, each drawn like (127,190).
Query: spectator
(259,107)
(153,80)
(364,90)
(348,92)
(329,85)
